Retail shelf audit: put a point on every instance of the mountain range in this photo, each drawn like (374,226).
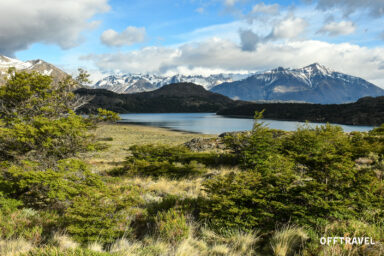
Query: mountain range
(132,83)
(314,84)
(38,65)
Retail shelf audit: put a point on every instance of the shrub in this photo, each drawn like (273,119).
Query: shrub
(37,119)
(171,226)
(255,150)
(306,177)
(249,200)
(102,217)
(166,161)
(334,186)
(52,188)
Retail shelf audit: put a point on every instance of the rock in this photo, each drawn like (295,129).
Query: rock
(200,144)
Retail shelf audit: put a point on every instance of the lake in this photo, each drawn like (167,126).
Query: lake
(210,123)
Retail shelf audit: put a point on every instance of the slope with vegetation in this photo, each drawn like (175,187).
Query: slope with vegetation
(172,98)
(366,111)
(68,187)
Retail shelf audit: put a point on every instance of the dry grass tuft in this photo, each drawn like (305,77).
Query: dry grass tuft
(287,240)
(64,242)
(123,245)
(14,247)
(95,247)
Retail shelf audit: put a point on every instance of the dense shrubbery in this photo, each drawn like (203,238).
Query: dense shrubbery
(48,188)
(305,177)
(102,217)
(169,161)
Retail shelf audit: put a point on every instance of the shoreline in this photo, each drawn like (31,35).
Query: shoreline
(163,127)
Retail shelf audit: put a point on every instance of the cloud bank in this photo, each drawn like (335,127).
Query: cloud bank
(23,23)
(224,55)
(131,35)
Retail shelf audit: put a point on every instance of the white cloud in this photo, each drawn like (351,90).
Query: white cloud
(23,23)
(200,10)
(267,9)
(338,28)
(219,54)
(131,35)
(230,2)
(289,28)
(374,7)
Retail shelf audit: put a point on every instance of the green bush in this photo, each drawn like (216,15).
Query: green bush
(38,122)
(170,161)
(171,226)
(102,217)
(48,188)
(249,200)
(306,177)
(161,160)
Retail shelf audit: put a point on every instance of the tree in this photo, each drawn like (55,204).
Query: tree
(38,119)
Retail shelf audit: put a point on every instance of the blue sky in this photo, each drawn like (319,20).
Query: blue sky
(196,36)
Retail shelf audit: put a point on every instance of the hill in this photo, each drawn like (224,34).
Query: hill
(40,66)
(172,98)
(366,111)
(314,83)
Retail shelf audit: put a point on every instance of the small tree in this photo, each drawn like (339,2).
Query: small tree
(38,120)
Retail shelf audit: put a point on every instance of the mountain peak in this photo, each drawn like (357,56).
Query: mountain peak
(314,83)
(317,68)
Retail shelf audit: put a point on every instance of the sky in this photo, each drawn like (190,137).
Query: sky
(196,36)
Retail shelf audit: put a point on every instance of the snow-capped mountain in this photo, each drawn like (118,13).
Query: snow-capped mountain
(132,83)
(40,66)
(314,83)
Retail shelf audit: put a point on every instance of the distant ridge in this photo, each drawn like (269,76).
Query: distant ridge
(366,111)
(172,98)
(314,83)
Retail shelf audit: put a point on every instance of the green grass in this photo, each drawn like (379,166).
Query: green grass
(119,137)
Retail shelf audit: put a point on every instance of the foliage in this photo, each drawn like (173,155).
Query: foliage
(53,187)
(171,226)
(38,120)
(248,200)
(102,217)
(256,149)
(161,160)
(306,177)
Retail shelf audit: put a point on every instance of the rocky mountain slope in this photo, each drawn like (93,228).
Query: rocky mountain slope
(314,83)
(31,65)
(132,83)
(172,98)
